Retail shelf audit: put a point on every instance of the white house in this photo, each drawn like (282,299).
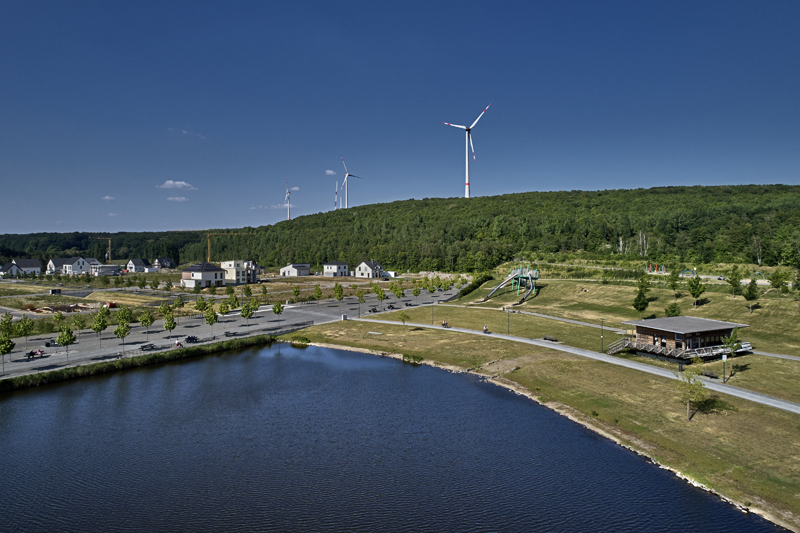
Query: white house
(67,266)
(29,266)
(296,269)
(204,275)
(238,272)
(163,262)
(138,265)
(369,269)
(335,269)
(10,270)
(105,270)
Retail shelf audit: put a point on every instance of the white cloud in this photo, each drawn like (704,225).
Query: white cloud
(295,189)
(258,207)
(108,198)
(170,184)
(330,172)
(282,206)
(112,214)
(178,199)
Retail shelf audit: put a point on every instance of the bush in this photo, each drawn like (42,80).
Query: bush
(673,310)
(477,281)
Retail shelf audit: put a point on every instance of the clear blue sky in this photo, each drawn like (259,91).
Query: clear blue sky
(103,103)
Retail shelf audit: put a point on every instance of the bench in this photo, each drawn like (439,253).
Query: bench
(550,338)
(230,333)
(710,374)
(145,347)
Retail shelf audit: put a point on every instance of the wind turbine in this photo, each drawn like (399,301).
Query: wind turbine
(288,203)
(336,195)
(468,144)
(344,183)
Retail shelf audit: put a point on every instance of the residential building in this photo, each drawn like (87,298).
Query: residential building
(237,272)
(105,270)
(138,265)
(10,270)
(92,261)
(163,262)
(203,274)
(296,269)
(29,266)
(67,266)
(335,269)
(369,269)
(252,265)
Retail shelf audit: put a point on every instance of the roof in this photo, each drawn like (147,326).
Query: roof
(374,265)
(163,260)
(336,263)
(27,263)
(202,266)
(140,262)
(685,324)
(7,267)
(58,262)
(298,265)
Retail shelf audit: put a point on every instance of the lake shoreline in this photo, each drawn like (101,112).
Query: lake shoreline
(569,412)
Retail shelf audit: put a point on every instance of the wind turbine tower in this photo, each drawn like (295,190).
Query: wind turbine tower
(468,144)
(336,196)
(288,203)
(344,183)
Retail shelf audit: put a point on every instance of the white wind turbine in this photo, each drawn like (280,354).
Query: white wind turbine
(344,183)
(469,144)
(336,196)
(288,203)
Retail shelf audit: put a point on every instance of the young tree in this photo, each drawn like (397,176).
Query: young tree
(118,281)
(732,344)
(264,293)
(673,309)
(247,291)
(317,293)
(696,289)
(278,310)
(229,290)
(125,314)
(404,317)
(6,345)
(7,323)
(674,281)
(25,328)
(99,324)
(778,282)
(141,284)
(296,292)
(233,301)
(59,318)
(690,386)
(397,290)
(224,309)
(178,305)
(735,280)
(104,281)
(169,324)
(338,291)
(380,295)
(123,330)
(65,338)
(163,309)
(211,318)
(751,294)
(155,284)
(200,304)
(641,302)
(416,291)
(212,290)
(78,322)
(247,312)
(361,300)
(168,286)
(196,289)
(146,319)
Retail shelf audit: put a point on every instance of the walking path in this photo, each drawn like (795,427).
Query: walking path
(779,356)
(711,385)
(576,322)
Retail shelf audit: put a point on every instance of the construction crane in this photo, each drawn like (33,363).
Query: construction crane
(209,235)
(108,254)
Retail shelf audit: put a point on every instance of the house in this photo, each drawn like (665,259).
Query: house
(369,269)
(91,261)
(335,269)
(237,272)
(67,266)
(255,267)
(296,269)
(138,265)
(204,275)
(679,338)
(29,266)
(10,270)
(163,262)
(105,270)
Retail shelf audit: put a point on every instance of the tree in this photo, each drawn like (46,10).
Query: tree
(690,386)
(169,324)
(751,294)
(735,280)
(123,330)
(65,338)
(380,295)
(200,304)
(229,290)
(212,290)
(141,284)
(247,312)
(673,309)
(361,300)
(264,293)
(125,314)
(233,301)
(6,345)
(25,327)
(397,290)
(317,293)
(416,291)
(732,344)
(696,288)
(643,283)
(59,318)
(104,281)
(168,286)
(163,309)
(278,310)
(247,291)
(296,292)
(338,291)
(778,282)
(118,282)
(404,317)
(155,284)
(146,319)
(99,324)
(224,309)
(211,318)
(641,302)
(674,281)
(196,289)
(78,322)
(7,323)
(178,305)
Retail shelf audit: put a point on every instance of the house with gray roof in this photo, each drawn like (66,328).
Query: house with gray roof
(369,269)
(335,269)
(29,266)
(203,275)
(68,266)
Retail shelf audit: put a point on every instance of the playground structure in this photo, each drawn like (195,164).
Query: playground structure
(656,269)
(694,274)
(520,278)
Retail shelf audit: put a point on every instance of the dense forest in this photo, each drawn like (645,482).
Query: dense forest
(748,223)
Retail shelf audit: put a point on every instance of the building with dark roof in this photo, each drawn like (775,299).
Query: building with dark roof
(29,266)
(67,265)
(138,265)
(203,275)
(296,269)
(369,269)
(335,269)
(10,270)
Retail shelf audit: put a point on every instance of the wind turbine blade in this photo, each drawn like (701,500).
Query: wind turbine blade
(352,176)
(473,148)
(345,166)
(455,125)
(479,117)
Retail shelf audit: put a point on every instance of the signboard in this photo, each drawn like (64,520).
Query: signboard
(724,357)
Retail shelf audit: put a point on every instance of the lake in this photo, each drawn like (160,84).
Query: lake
(316,439)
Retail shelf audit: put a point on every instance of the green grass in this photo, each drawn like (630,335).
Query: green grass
(9,289)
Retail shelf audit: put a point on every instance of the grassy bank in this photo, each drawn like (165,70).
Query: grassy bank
(114,365)
(723,446)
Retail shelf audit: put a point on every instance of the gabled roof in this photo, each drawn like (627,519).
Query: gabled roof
(140,262)
(7,267)
(373,265)
(58,262)
(163,260)
(27,263)
(685,324)
(91,260)
(335,263)
(204,267)
(298,265)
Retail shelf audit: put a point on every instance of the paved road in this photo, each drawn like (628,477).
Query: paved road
(779,356)
(642,367)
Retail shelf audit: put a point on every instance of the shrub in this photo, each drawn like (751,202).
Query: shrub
(477,281)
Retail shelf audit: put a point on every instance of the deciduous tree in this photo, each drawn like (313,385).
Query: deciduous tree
(752,294)
(169,324)
(65,339)
(696,288)
(99,325)
(25,327)
(146,319)
(690,386)
(6,345)
(211,318)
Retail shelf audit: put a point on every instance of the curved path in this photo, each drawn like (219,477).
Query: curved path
(711,385)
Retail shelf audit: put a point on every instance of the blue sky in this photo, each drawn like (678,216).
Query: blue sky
(134,116)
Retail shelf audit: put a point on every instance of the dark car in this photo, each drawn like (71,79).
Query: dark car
(191,338)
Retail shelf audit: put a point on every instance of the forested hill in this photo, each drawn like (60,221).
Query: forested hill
(669,224)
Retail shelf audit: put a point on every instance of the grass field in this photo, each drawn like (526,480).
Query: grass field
(724,446)
(13,289)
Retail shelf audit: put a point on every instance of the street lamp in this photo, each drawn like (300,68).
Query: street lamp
(508,321)
(601,335)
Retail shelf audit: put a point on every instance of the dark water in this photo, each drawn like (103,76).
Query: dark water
(322,440)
